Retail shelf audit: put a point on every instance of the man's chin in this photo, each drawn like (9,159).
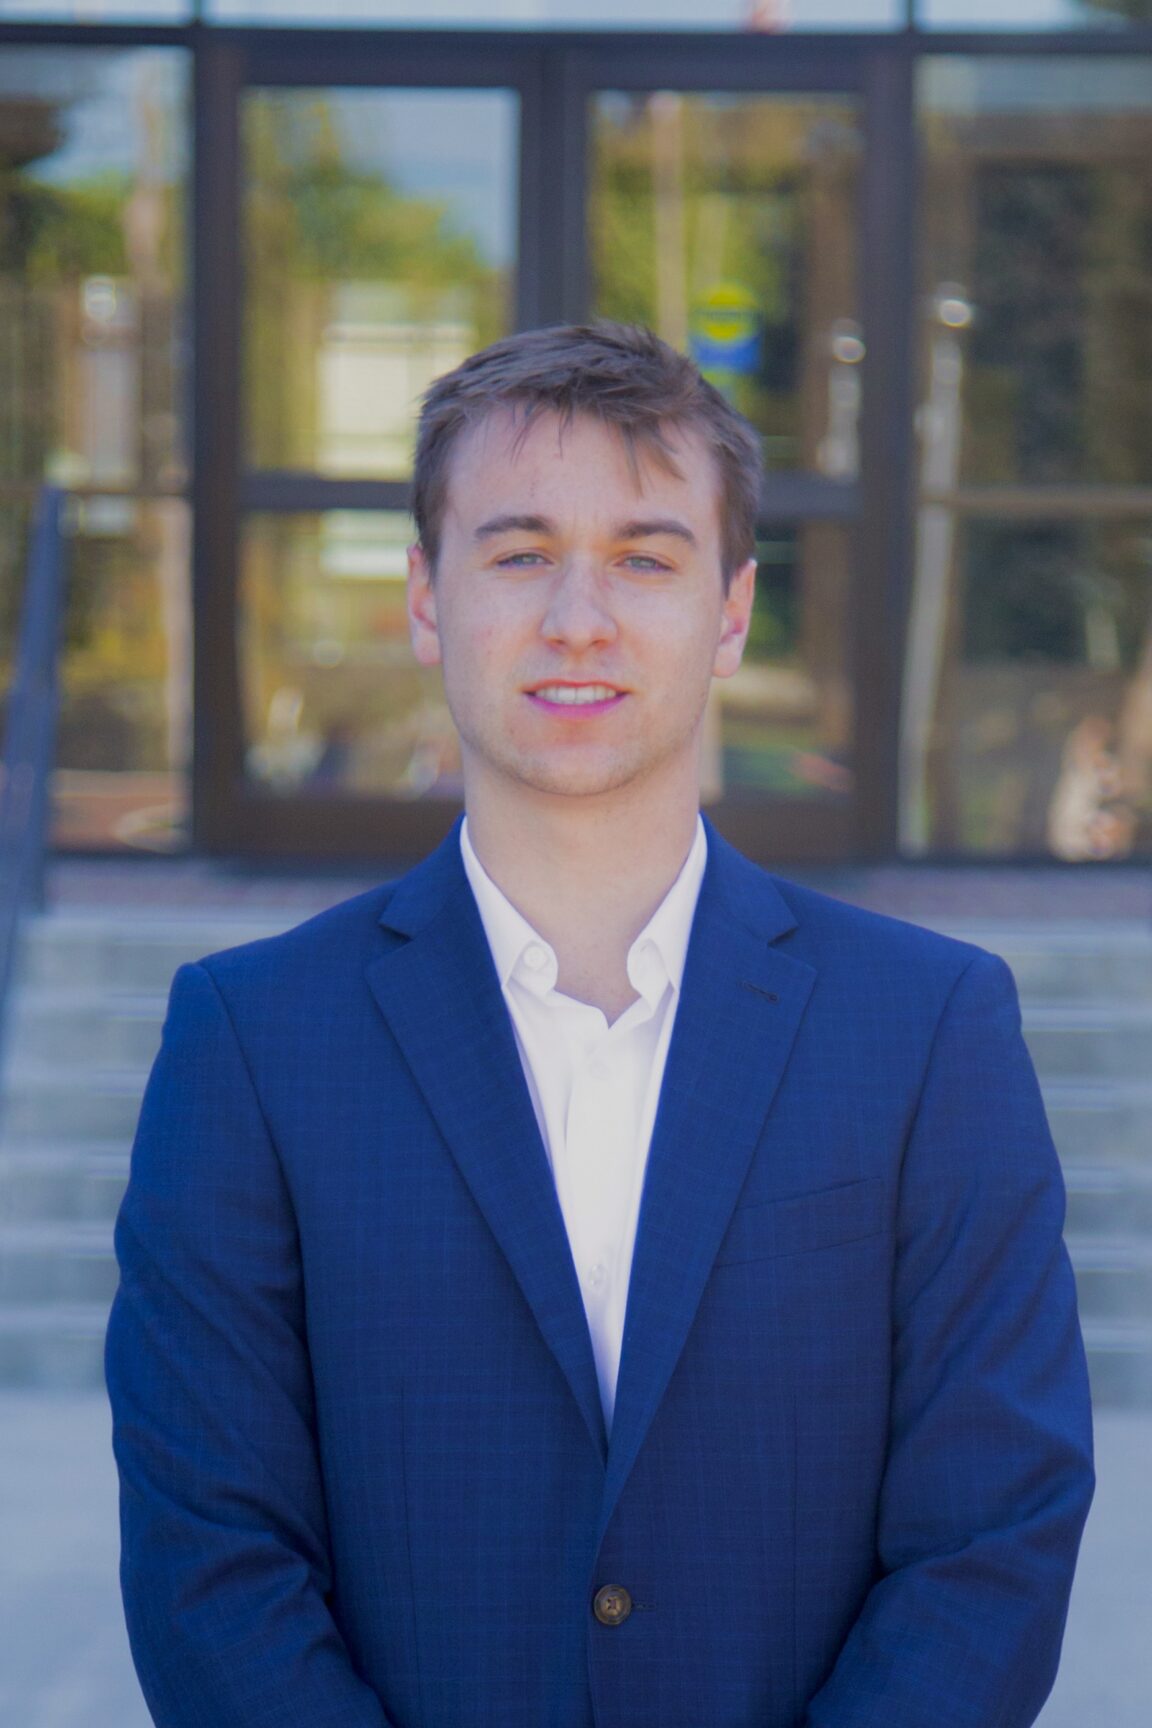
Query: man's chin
(549,777)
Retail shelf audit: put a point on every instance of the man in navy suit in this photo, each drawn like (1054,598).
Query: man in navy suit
(590,1283)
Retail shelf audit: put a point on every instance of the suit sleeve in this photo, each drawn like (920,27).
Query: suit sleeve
(225,1565)
(989,1472)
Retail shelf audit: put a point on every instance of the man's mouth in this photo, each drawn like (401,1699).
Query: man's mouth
(575,694)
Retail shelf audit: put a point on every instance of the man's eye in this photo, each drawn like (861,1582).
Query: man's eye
(520,560)
(642,561)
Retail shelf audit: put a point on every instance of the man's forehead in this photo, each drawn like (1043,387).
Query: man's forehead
(510,443)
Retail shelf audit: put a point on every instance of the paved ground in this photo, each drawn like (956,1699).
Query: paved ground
(63,1654)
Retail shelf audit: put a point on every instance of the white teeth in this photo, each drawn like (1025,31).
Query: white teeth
(574,695)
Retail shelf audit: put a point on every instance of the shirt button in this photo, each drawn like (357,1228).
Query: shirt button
(535,957)
(612,1605)
(598,1275)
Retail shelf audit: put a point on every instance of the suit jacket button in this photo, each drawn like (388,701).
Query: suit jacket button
(612,1605)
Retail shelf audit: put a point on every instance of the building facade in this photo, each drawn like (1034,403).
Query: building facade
(911,239)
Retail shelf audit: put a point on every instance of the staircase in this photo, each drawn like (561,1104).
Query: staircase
(1086,994)
(84,1027)
(86,1024)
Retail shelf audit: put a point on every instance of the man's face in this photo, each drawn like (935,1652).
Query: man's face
(578,608)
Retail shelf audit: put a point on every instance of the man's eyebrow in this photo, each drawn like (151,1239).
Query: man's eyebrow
(514,525)
(645,528)
(642,528)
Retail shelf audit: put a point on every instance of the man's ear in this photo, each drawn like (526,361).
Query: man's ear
(737,616)
(423,630)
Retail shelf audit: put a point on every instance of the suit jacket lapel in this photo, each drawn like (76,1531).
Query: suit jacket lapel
(440,994)
(740,1006)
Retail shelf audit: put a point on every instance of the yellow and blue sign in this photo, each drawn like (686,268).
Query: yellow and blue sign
(726,330)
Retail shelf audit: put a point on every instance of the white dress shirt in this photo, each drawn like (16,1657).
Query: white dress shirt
(594,1087)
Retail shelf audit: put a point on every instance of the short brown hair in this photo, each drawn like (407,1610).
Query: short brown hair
(620,374)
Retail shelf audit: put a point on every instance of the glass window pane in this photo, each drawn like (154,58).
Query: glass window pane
(1028,678)
(15,532)
(98,11)
(728,225)
(93,183)
(124,741)
(1037,271)
(93,187)
(771,16)
(1031,14)
(784,724)
(124,731)
(380,234)
(1037,736)
(333,698)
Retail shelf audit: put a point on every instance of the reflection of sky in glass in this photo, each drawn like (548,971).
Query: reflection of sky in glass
(100,11)
(1015,15)
(592,14)
(454,147)
(99,95)
(1027,85)
(561,14)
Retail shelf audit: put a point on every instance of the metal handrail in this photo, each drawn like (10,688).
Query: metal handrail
(30,736)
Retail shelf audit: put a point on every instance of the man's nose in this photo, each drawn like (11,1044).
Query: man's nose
(579,613)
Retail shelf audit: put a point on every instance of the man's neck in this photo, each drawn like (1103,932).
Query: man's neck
(587,876)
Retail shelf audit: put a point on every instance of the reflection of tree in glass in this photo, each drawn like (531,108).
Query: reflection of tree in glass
(50,237)
(49,233)
(1033,227)
(1061,281)
(1137,11)
(90,258)
(316,224)
(691,194)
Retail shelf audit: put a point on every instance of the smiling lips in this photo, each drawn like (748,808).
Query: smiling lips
(587,698)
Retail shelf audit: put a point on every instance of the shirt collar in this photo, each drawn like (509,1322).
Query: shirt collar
(655,959)
(509,933)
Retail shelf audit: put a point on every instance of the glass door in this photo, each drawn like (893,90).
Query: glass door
(1027,717)
(728,221)
(375,201)
(380,251)
(393,214)
(751,206)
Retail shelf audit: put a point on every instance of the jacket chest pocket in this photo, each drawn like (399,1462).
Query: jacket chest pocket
(802,1223)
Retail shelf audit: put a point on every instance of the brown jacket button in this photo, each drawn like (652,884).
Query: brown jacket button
(612,1605)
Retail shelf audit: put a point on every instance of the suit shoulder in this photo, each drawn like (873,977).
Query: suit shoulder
(830,928)
(326,946)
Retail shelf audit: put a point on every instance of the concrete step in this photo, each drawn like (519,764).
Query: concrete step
(1085,1041)
(1070,963)
(79,1183)
(1107,1200)
(1113,1277)
(46,1261)
(1100,1121)
(116,950)
(1119,1363)
(112,1030)
(58,1345)
(46,1103)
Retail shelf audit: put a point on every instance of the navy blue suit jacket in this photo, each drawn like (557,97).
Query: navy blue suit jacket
(365,1479)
